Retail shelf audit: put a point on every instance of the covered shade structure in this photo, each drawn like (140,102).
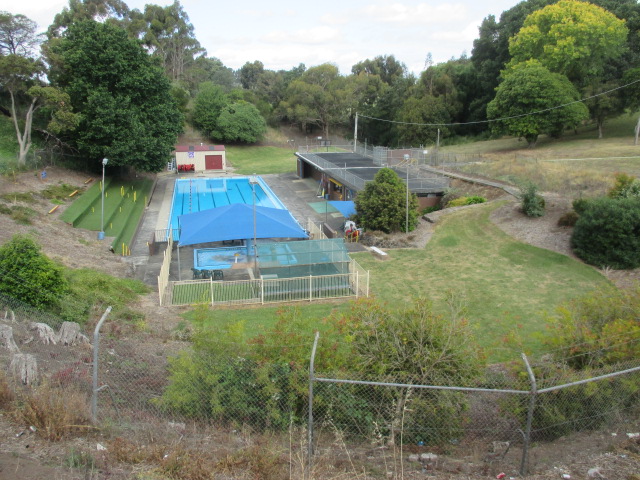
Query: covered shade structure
(235,222)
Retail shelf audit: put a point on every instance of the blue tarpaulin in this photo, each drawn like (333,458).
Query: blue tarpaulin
(235,222)
(346,208)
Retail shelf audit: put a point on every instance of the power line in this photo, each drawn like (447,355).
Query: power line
(502,118)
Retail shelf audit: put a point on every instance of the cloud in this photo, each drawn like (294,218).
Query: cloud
(467,35)
(310,36)
(421,13)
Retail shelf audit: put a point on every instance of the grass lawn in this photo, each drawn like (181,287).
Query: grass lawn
(507,285)
(261,160)
(257,320)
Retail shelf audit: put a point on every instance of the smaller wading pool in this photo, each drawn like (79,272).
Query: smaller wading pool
(225,257)
(219,258)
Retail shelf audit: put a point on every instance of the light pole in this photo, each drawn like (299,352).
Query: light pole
(101,232)
(253,180)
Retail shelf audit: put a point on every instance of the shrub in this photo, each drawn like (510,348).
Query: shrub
(607,233)
(569,219)
(532,203)
(626,186)
(382,205)
(27,274)
(580,204)
(462,201)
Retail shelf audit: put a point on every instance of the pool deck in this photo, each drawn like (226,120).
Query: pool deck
(295,193)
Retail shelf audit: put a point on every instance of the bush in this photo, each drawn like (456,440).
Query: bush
(607,233)
(626,186)
(463,201)
(28,275)
(580,204)
(569,219)
(532,203)
(382,205)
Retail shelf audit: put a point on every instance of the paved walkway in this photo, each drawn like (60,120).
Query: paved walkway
(295,193)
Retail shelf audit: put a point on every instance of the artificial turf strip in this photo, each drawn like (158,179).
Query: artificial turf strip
(74,213)
(322,207)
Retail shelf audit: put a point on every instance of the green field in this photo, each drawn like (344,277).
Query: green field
(261,160)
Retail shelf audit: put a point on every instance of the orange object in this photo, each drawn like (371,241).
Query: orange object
(54,209)
(73,193)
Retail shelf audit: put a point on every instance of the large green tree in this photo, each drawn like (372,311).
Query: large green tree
(208,104)
(320,97)
(28,275)
(570,37)
(382,204)
(240,122)
(526,101)
(127,111)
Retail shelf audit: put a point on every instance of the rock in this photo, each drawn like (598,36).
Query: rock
(428,458)
(46,334)
(414,457)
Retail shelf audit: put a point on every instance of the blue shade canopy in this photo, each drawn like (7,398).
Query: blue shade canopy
(346,208)
(235,222)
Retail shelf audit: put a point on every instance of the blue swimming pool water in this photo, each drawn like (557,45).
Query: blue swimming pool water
(196,194)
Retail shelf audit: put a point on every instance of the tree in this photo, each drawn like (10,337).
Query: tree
(109,11)
(319,97)
(384,66)
(606,233)
(570,37)
(240,122)
(18,35)
(127,111)
(28,275)
(528,88)
(382,205)
(208,104)
(19,78)
(420,110)
(170,36)
(250,73)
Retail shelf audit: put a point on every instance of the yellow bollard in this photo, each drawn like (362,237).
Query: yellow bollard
(120,209)
(122,191)
(93,210)
(106,194)
(134,196)
(145,199)
(100,185)
(111,225)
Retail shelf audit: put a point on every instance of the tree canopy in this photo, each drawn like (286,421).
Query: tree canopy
(382,204)
(127,111)
(530,87)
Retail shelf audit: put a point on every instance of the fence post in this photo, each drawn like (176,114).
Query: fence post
(524,464)
(96,341)
(310,288)
(310,422)
(211,284)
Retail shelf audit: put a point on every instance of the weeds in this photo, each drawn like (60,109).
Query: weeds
(55,413)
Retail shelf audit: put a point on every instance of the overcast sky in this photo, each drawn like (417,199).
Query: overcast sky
(283,33)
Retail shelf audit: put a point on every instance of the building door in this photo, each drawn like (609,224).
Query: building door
(213,162)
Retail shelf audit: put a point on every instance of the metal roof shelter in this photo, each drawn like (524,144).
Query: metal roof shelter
(354,170)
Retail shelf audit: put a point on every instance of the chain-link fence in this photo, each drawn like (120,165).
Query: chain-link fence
(327,415)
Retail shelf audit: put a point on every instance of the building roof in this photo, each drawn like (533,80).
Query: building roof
(199,148)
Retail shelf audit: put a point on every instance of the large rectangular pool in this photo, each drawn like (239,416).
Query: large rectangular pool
(196,194)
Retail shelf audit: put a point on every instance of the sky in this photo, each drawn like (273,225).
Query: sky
(284,33)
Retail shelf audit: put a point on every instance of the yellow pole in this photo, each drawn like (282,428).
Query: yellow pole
(120,209)
(134,195)
(111,225)
(93,209)
(122,191)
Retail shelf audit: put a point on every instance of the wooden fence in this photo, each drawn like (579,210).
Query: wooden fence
(163,277)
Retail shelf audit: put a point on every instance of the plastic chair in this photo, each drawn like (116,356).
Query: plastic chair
(218,275)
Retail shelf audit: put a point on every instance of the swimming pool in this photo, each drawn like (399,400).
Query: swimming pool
(196,194)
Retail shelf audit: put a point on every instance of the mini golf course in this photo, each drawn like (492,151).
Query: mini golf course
(124,202)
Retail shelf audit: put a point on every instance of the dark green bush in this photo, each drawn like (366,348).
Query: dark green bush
(580,204)
(569,219)
(608,233)
(532,203)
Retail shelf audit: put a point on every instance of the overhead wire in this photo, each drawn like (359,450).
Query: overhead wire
(537,112)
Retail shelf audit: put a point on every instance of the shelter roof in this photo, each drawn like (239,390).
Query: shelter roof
(235,222)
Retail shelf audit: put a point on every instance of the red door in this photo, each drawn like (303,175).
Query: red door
(213,162)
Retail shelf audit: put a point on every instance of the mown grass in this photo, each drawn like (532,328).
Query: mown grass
(261,160)
(507,285)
